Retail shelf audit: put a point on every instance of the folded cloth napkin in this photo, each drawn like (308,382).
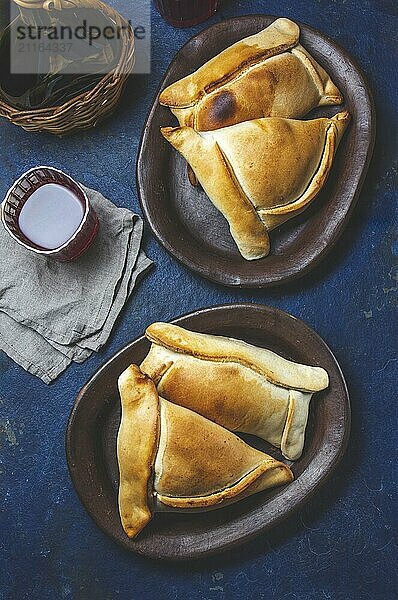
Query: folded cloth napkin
(53,313)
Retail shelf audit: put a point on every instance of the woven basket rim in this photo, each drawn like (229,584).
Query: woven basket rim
(125,55)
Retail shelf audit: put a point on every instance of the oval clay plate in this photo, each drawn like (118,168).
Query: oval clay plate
(188,225)
(94,422)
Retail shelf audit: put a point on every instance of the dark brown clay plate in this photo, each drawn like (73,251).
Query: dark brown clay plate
(187,224)
(94,421)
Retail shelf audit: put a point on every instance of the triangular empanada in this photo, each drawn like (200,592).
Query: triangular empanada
(261,173)
(235,384)
(267,74)
(172,459)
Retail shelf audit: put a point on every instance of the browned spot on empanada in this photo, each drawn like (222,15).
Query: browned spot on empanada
(219,109)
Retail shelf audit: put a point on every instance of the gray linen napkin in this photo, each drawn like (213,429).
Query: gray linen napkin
(53,313)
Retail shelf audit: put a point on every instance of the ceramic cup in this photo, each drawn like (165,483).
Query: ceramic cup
(20,193)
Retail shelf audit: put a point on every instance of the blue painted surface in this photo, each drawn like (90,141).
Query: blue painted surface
(340,546)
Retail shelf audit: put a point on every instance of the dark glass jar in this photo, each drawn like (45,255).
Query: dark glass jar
(186,13)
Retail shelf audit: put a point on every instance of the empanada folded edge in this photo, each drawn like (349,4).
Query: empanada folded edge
(250,219)
(226,380)
(136,448)
(222,92)
(155,451)
(215,174)
(273,367)
(281,35)
(334,132)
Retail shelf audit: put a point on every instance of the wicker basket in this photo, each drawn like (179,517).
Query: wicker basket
(85,110)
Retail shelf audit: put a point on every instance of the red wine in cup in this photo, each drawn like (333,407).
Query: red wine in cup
(186,13)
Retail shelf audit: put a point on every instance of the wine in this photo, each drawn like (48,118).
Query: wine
(186,13)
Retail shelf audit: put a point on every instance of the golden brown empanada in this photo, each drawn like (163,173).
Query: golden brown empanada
(267,74)
(235,384)
(172,459)
(261,173)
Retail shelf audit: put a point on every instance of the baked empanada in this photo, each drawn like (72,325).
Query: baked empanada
(235,384)
(261,173)
(173,459)
(267,74)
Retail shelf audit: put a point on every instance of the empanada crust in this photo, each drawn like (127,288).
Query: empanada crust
(237,385)
(261,173)
(267,74)
(136,448)
(198,457)
(223,390)
(217,348)
(172,459)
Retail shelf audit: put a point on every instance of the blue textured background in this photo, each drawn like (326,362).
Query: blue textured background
(341,545)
